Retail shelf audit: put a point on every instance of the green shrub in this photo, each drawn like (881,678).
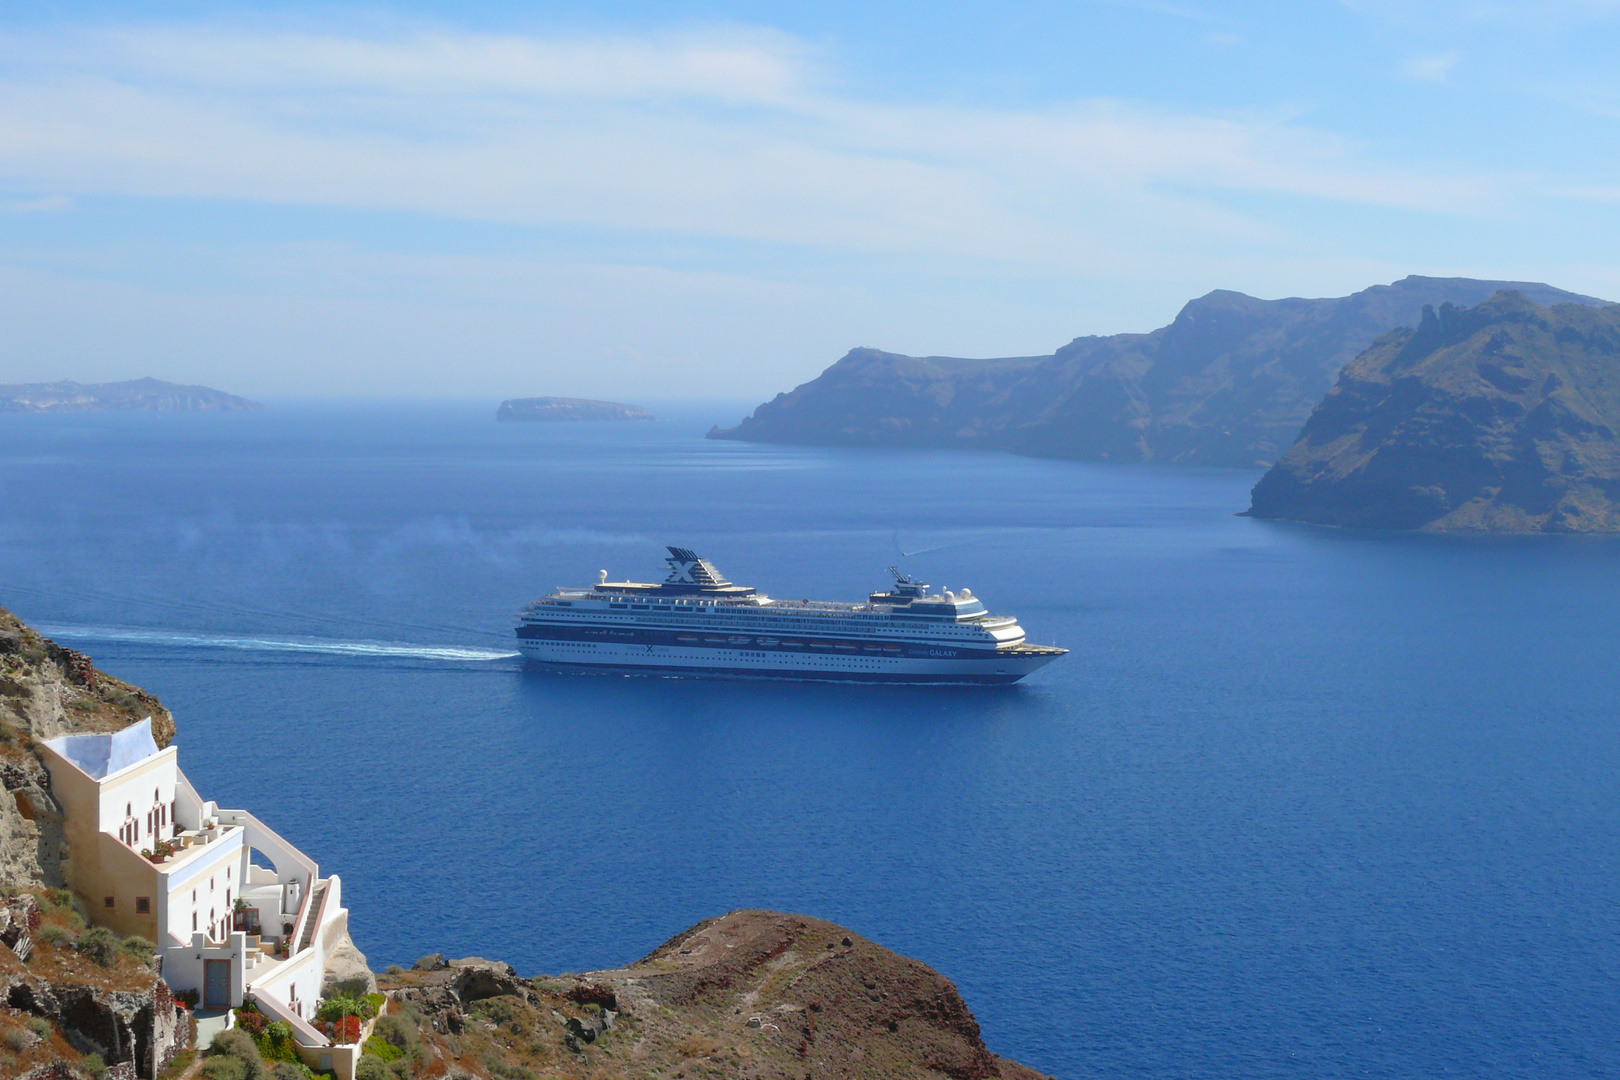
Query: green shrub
(225,1068)
(19,1040)
(139,948)
(94,1065)
(341,1005)
(380,1047)
(372,1067)
(275,1043)
(291,1070)
(59,898)
(400,1033)
(100,944)
(54,936)
(40,1026)
(395,969)
(238,1046)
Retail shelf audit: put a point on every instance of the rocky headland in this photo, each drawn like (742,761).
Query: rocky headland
(134,395)
(572,409)
(1229,382)
(1500,418)
(754,994)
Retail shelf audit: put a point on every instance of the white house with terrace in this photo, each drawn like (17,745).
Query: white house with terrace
(233,908)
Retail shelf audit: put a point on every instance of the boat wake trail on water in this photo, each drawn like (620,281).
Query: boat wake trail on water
(366,649)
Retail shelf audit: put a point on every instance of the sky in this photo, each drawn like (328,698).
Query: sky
(703,200)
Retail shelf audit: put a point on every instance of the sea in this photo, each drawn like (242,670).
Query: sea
(1297,803)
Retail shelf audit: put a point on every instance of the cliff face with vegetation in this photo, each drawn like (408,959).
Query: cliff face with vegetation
(1498,418)
(1229,382)
(134,395)
(46,691)
(84,998)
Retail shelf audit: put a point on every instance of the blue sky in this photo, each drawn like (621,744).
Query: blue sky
(646,201)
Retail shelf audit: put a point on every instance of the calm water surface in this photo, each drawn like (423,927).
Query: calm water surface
(1299,804)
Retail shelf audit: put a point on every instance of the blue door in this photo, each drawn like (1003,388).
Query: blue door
(216,984)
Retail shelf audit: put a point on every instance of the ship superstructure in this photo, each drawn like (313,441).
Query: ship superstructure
(695,622)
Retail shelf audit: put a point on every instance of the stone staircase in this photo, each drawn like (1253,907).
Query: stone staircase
(311,924)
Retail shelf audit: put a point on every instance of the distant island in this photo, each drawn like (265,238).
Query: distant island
(134,395)
(565,408)
(1501,418)
(1229,382)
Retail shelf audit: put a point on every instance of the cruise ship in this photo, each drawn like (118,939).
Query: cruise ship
(697,623)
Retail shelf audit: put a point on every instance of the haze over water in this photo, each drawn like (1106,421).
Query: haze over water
(1299,803)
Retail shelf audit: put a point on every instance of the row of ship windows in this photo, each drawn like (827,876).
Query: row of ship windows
(803,661)
(778,621)
(706,609)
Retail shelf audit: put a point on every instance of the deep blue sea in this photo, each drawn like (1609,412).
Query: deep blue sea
(1299,803)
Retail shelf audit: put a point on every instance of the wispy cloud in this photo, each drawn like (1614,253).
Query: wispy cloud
(1436,68)
(45,205)
(732,133)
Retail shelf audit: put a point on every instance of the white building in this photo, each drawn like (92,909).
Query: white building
(235,909)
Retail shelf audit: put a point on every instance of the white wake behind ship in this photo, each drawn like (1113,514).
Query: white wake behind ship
(697,623)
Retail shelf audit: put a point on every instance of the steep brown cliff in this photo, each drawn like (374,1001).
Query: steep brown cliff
(1499,418)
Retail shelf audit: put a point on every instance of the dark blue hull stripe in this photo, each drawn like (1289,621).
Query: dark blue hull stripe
(794,675)
(713,639)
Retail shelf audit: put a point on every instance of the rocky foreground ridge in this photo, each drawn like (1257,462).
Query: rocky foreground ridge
(1502,417)
(752,994)
(133,395)
(1229,382)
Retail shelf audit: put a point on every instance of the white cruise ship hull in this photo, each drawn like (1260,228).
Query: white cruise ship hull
(1006,667)
(696,623)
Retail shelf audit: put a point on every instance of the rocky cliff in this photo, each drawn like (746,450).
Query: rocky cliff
(134,395)
(755,994)
(1229,382)
(46,691)
(1502,417)
(63,1004)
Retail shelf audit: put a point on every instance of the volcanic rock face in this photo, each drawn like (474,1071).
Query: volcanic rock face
(138,1027)
(1499,418)
(1228,383)
(810,998)
(754,994)
(134,395)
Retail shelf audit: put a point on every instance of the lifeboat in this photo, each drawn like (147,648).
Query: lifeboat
(738,639)
(769,642)
(687,639)
(846,646)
